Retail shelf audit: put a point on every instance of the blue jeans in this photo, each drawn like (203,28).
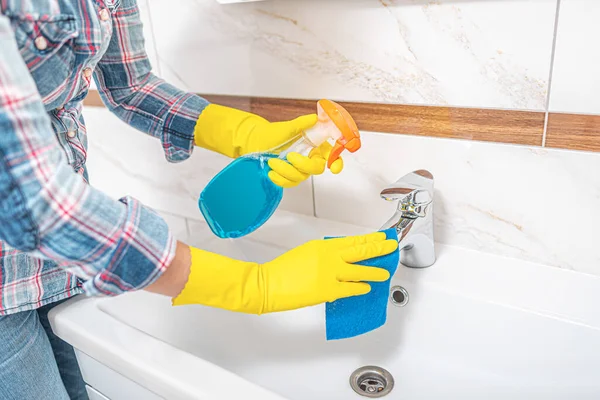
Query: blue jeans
(34,362)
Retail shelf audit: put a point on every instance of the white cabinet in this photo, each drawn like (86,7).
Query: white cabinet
(93,394)
(106,384)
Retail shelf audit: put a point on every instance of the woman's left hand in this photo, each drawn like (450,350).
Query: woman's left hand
(235,133)
(298,168)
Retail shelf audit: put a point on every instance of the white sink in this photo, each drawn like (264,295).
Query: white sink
(476,326)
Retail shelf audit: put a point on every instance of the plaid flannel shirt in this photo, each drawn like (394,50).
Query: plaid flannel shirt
(60,236)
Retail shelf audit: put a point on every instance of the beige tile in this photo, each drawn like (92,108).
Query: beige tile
(491,53)
(575,83)
(123,161)
(530,203)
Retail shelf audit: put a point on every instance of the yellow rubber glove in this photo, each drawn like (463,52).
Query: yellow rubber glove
(316,272)
(234,133)
(298,167)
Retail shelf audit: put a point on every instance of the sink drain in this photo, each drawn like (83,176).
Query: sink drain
(372,381)
(399,296)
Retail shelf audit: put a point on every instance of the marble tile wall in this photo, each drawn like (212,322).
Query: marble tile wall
(575,83)
(478,53)
(530,203)
(137,167)
(525,202)
(518,201)
(573,120)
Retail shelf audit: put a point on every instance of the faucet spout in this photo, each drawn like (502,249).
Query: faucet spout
(413,219)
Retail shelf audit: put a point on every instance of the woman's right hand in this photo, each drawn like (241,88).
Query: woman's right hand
(315,272)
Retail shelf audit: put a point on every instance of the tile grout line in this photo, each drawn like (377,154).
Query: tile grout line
(187,229)
(314,196)
(552,56)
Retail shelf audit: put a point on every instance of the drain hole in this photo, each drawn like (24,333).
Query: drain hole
(371,381)
(372,385)
(398,296)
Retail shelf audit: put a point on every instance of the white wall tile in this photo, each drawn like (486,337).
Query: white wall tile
(202,238)
(575,82)
(273,238)
(177,224)
(530,203)
(146,17)
(492,53)
(123,161)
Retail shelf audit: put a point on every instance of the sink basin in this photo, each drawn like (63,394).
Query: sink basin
(475,326)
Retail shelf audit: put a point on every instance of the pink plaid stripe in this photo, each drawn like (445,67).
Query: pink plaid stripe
(68,237)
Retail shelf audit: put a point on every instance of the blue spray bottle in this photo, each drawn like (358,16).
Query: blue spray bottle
(241,198)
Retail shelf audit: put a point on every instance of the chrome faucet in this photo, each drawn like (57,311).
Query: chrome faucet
(413,219)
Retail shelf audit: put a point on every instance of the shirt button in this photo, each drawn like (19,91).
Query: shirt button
(87,72)
(104,15)
(71,134)
(41,43)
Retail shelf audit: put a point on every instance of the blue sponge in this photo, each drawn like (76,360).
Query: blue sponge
(353,316)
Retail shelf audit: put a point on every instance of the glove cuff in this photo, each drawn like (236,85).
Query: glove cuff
(223,129)
(222,282)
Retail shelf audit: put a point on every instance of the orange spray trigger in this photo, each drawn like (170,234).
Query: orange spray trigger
(350,137)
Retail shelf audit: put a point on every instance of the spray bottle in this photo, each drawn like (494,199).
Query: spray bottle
(241,198)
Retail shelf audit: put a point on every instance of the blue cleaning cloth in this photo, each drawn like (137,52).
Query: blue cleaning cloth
(353,316)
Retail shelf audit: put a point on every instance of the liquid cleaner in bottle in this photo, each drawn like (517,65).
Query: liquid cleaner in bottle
(241,198)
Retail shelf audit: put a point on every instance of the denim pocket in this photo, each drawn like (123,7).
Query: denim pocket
(46,44)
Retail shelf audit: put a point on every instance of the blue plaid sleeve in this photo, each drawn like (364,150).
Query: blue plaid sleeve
(131,91)
(49,211)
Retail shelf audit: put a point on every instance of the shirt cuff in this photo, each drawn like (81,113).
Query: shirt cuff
(145,250)
(178,129)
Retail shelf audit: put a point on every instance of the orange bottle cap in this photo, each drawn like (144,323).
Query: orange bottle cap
(350,139)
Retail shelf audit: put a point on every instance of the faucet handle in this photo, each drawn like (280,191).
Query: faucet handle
(407,195)
(415,188)
(413,219)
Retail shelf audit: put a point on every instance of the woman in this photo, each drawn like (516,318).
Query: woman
(60,237)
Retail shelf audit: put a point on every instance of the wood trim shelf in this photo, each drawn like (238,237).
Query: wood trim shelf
(573,132)
(501,126)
